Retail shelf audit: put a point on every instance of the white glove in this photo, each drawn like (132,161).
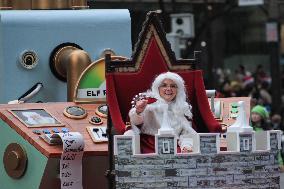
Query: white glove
(16,102)
(129,133)
(186,145)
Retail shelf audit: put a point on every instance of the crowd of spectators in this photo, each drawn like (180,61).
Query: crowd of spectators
(257,85)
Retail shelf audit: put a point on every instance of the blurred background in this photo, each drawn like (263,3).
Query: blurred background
(241,42)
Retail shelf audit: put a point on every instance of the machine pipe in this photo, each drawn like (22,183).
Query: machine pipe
(70,62)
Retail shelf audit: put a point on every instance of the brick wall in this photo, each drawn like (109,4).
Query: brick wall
(205,170)
(208,144)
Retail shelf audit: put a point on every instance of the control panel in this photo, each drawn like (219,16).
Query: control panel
(31,39)
(226,110)
(38,122)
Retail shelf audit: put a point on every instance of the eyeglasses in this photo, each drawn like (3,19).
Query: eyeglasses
(171,86)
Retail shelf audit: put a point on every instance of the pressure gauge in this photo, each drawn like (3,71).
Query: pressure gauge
(29,59)
(102,111)
(75,112)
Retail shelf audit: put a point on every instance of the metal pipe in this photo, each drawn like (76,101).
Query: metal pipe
(78,61)
(69,62)
(60,62)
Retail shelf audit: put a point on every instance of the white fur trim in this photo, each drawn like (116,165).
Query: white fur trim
(151,118)
(186,142)
(135,119)
(129,133)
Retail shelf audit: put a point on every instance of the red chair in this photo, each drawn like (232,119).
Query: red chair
(152,56)
(127,78)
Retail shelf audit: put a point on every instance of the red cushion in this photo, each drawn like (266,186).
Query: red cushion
(123,86)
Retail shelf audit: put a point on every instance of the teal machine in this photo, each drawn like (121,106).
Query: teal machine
(29,40)
(33,44)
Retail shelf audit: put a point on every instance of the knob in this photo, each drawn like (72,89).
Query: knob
(28,59)
(15,160)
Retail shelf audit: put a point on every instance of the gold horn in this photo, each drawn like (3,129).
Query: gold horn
(79,61)
(69,62)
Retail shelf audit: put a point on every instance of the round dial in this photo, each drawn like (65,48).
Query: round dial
(95,120)
(102,111)
(75,112)
(29,59)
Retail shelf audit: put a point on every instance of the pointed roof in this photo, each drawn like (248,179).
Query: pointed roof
(152,45)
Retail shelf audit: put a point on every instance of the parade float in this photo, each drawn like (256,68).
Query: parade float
(226,153)
(70,144)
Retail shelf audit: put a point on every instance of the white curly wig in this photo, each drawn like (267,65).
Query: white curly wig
(179,104)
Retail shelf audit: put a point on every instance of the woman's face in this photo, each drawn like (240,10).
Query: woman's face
(168,90)
(255,118)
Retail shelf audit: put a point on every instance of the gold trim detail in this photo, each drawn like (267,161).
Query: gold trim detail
(100,113)
(72,116)
(59,124)
(152,32)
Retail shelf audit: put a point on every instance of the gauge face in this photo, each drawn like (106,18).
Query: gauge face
(29,59)
(75,112)
(103,109)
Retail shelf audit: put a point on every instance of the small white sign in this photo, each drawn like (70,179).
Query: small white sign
(250,2)
(93,93)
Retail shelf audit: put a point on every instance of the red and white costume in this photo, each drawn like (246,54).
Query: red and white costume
(150,120)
